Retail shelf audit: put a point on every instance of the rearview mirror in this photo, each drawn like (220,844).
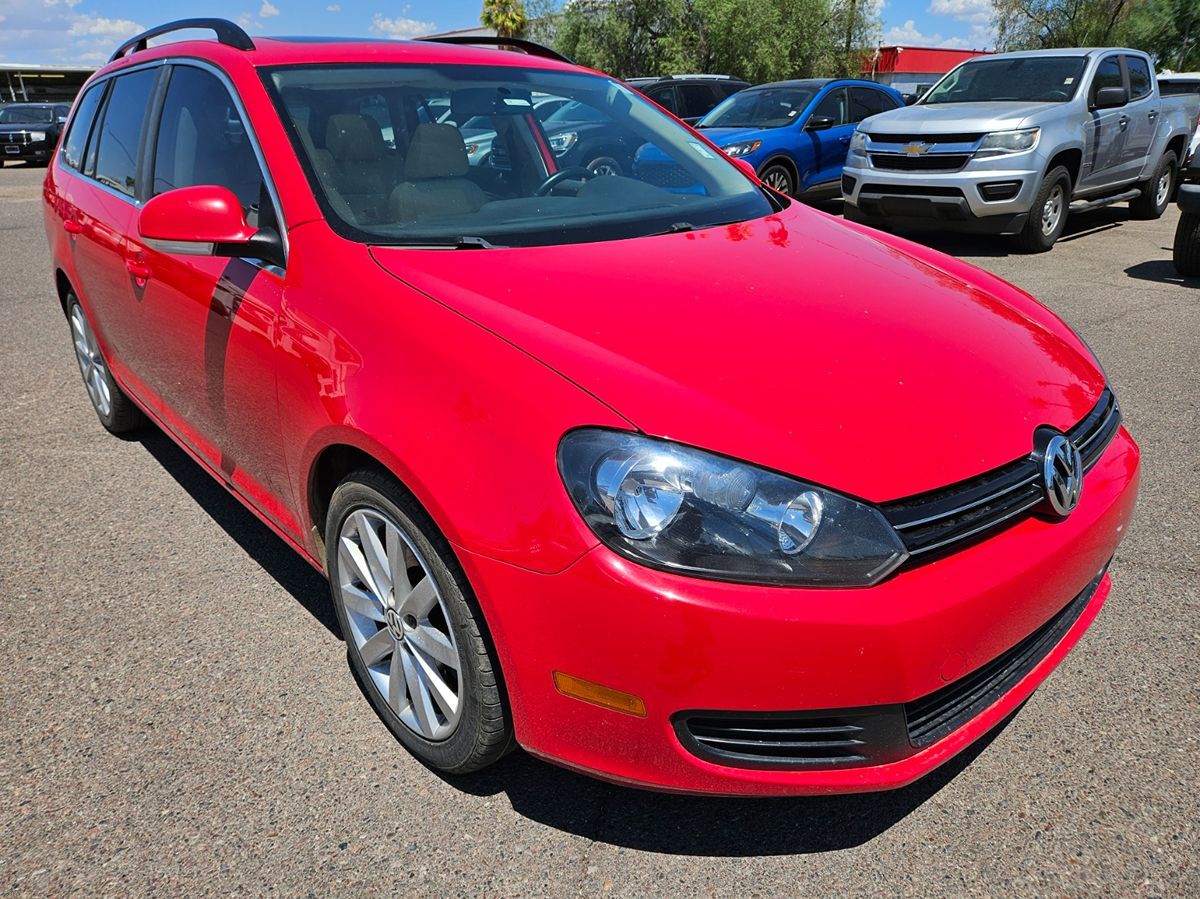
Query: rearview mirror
(1110,98)
(205,220)
(819,123)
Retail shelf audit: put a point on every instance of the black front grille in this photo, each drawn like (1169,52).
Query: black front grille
(931,162)
(911,190)
(957,138)
(934,716)
(22,137)
(941,519)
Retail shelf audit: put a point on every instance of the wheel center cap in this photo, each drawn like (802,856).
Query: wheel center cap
(395,623)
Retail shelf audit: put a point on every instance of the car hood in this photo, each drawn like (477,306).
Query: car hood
(938,118)
(796,342)
(723,136)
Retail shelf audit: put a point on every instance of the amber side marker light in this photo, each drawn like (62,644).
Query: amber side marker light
(598,694)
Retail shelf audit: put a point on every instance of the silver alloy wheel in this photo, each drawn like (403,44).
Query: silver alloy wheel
(604,166)
(777,179)
(1163,190)
(91,363)
(399,626)
(1052,209)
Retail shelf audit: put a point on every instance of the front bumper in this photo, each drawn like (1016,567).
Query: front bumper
(683,644)
(37,151)
(943,200)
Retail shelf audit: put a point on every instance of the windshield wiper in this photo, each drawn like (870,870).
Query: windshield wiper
(464,242)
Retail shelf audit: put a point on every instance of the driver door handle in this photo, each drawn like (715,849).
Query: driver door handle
(1124,122)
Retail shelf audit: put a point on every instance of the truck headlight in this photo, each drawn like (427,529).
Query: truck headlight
(742,148)
(37,135)
(998,143)
(858,143)
(695,513)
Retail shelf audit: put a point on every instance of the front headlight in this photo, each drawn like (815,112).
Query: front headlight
(742,148)
(858,143)
(561,143)
(37,135)
(695,513)
(998,143)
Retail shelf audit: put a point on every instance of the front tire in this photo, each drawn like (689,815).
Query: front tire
(1156,190)
(116,411)
(1186,253)
(778,177)
(1048,215)
(604,166)
(414,635)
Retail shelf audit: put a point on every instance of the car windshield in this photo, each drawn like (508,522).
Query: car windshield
(575,180)
(768,108)
(26,115)
(1024,79)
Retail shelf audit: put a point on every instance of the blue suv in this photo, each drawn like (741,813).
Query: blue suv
(794,133)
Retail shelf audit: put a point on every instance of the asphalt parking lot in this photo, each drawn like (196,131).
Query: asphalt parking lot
(177,715)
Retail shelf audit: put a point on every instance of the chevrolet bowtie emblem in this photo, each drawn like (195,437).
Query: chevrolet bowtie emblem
(916,148)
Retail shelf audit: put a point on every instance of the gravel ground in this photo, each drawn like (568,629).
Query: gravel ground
(177,715)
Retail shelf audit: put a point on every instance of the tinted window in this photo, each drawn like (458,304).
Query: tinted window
(866,102)
(832,106)
(121,129)
(697,99)
(1025,79)
(1174,88)
(1139,77)
(202,140)
(26,115)
(770,107)
(664,97)
(81,127)
(1108,75)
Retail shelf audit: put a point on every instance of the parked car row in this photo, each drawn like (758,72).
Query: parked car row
(30,131)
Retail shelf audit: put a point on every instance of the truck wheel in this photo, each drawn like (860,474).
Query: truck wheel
(1187,244)
(1156,191)
(1048,215)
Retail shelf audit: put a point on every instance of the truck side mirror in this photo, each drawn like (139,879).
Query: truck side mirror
(1110,98)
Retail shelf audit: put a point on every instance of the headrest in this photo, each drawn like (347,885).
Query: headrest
(351,137)
(436,151)
(468,102)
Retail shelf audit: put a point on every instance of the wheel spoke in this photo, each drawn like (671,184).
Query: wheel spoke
(374,553)
(362,602)
(434,644)
(418,694)
(351,557)
(437,688)
(378,647)
(397,560)
(420,600)
(396,693)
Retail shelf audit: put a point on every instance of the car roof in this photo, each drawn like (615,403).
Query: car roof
(1068,51)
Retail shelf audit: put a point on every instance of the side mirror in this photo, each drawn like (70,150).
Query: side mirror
(1110,98)
(819,123)
(746,167)
(205,220)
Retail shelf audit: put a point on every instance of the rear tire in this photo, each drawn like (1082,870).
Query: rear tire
(1156,190)
(1048,215)
(116,411)
(1187,245)
(414,634)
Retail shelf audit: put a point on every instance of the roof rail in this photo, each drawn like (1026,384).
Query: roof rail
(227,33)
(530,47)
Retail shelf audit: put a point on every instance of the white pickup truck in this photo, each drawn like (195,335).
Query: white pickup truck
(1011,143)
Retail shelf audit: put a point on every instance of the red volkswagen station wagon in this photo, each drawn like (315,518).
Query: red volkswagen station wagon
(681,484)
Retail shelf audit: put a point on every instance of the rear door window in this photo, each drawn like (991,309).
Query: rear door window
(1139,77)
(81,127)
(202,140)
(697,99)
(120,133)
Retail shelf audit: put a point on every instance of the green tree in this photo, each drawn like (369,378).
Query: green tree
(1169,30)
(1038,24)
(505,17)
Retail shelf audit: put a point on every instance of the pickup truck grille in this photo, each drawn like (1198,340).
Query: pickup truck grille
(925,138)
(932,162)
(20,137)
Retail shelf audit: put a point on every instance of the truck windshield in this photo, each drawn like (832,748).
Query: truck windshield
(1024,79)
(389,168)
(770,108)
(26,115)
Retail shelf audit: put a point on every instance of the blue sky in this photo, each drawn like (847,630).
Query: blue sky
(85,31)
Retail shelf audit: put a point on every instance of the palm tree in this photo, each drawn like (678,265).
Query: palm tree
(506,17)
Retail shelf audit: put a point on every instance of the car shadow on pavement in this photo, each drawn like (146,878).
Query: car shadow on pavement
(1161,271)
(1080,225)
(280,561)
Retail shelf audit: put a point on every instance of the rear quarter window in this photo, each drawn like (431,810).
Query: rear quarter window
(81,127)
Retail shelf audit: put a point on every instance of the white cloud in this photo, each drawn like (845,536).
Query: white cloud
(909,35)
(978,14)
(98,26)
(268,10)
(52,31)
(400,27)
(333,7)
(960,7)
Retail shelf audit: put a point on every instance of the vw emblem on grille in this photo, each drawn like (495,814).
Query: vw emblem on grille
(916,148)
(1062,474)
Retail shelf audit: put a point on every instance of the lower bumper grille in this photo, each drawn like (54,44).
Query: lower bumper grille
(876,735)
(934,162)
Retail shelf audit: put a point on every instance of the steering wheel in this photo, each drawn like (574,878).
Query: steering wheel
(575,171)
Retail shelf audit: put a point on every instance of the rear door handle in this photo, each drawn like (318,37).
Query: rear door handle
(1153,114)
(139,269)
(72,227)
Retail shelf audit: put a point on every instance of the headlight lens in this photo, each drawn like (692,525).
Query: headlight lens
(742,148)
(561,143)
(37,135)
(999,143)
(858,142)
(472,149)
(684,510)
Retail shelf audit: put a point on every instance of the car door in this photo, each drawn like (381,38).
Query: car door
(213,319)
(100,212)
(1104,136)
(1143,114)
(828,146)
